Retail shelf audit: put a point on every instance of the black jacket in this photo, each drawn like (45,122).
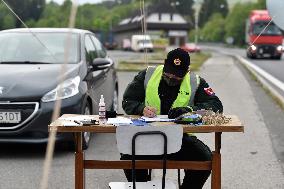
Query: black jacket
(134,96)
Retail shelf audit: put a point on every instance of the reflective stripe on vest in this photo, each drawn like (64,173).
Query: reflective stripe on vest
(186,94)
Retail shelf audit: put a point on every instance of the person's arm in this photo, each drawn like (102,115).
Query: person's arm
(205,98)
(134,95)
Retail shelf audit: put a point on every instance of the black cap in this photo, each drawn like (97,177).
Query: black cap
(177,62)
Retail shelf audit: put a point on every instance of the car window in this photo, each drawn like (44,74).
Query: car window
(270,29)
(45,47)
(90,49)
(100,48)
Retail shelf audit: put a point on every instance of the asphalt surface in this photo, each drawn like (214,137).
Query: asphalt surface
(253,159)
(272,67)
(273,115)
(247,158)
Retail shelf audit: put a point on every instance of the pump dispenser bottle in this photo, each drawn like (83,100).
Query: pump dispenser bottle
(102,111)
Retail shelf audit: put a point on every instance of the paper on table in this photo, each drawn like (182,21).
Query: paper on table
(78,118)
(119,121)
(71,123)
(158,118)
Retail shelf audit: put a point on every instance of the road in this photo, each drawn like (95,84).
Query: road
(250,160)
(273,67)
(272,113)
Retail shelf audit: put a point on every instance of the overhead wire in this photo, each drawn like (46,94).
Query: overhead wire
(34,35)
(272,17)
(57,105)
(14,13)
(144,29)
(261,32)
(141,16)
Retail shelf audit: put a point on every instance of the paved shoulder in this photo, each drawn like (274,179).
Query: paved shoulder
(248,159)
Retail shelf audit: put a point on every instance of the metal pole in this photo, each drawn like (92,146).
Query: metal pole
(197,10)
(196,25)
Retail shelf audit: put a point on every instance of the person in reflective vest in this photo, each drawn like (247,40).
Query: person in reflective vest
(171,89)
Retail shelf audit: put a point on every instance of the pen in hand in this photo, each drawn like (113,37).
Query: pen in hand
(149,111)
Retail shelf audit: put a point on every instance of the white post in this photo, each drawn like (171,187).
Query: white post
(197,10)
(196,26)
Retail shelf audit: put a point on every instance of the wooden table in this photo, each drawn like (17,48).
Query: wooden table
(81,164)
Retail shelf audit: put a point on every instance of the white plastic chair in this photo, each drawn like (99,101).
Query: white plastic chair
(148,140)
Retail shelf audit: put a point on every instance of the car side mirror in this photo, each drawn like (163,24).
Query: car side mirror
(100,63)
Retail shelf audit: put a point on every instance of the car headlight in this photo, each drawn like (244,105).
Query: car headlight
(69,88)
(253,47)
(279,48)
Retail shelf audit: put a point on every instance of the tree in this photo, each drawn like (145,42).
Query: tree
(235,22)
(184,7)
(7,20)
(261,4)
(213,30)
(123,1)
(50,16)
(209,7)
(26,9)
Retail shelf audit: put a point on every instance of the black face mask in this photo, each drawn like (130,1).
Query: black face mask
(171,81)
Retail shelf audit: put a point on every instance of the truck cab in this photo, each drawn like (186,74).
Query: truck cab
(263,36)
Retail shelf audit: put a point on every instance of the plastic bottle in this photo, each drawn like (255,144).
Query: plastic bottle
(102,111)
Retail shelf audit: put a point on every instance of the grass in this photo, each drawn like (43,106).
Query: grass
(197,59)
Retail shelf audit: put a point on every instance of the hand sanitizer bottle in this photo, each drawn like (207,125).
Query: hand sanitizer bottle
(102,111)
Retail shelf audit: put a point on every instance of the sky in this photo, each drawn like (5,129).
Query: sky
(78,1)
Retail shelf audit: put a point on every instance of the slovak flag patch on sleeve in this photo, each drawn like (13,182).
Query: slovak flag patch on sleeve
(209,91)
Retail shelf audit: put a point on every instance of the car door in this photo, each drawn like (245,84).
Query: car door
(96,78)
(109,73)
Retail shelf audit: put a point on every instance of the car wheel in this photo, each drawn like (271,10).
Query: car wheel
(252,56)
(70,144)
(114,106)
(248,55)
(86,135)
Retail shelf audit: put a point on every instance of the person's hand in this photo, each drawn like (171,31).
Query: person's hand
(149,111)
(175,112)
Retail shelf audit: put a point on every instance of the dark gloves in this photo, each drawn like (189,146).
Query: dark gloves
(175,112)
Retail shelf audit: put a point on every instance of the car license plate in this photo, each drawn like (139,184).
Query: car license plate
(10,117)
(266,55)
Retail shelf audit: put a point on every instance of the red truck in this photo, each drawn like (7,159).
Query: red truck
(269,43)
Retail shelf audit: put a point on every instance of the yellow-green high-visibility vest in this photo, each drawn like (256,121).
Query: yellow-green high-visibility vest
(186,94)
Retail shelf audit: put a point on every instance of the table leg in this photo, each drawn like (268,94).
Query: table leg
(79,162)
(216,163)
